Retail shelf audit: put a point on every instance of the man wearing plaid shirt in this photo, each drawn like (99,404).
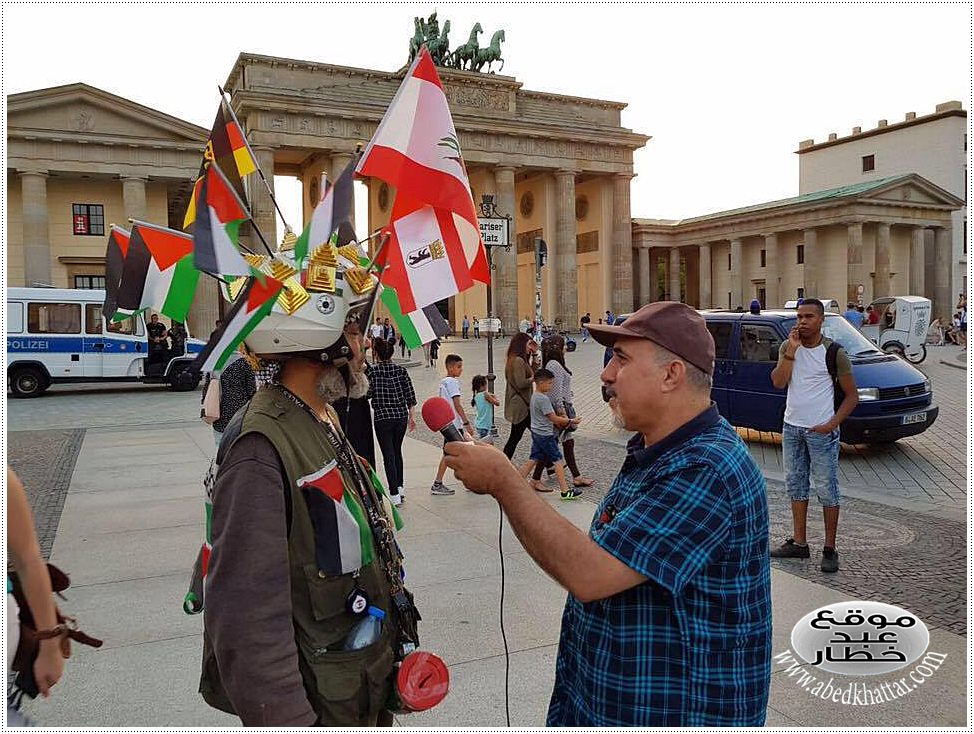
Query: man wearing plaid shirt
(668,618)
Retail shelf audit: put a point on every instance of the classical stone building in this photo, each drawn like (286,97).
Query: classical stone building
(933,145)
(826,244)
(559,167)
(80,159)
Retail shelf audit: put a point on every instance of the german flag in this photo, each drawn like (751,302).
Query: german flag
(228,147)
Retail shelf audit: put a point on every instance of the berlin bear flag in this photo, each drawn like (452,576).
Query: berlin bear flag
(435,250)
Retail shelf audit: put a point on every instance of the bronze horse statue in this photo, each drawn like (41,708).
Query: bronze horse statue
(490,54)
(467,52)
(439,47)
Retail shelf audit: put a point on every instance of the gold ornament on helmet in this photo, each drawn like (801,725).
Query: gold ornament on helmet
(280,270)
(292,297)
(320,278)
(359,280)
(326,255)
(290,239)
(235,286)
(258,261)
(350,253)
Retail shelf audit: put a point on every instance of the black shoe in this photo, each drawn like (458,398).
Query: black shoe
(789,549)
(830,560)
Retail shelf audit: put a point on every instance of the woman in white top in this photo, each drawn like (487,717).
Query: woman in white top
(560,394)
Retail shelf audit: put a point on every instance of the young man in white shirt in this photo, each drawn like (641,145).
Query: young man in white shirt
(810,437)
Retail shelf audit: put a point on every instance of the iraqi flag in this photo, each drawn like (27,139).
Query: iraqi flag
(416,149)
(158,272)
(216,231)
(118,247)
(333,213)
(253,304)
(343,540)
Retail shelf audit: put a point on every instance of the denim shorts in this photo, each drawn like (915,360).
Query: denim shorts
(545,449)
(811,462)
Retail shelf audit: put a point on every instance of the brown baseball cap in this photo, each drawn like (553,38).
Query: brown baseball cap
(674,326)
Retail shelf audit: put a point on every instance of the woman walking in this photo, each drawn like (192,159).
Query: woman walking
(393,402)
(560,394)
(237,386)
(517,397)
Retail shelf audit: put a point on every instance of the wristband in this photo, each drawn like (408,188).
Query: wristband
(790,359)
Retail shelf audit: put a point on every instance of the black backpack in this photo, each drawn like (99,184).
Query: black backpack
(831,364)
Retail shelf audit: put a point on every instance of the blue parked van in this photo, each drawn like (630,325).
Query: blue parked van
(895,398)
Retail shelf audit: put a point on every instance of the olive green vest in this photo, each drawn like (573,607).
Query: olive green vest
(345,688)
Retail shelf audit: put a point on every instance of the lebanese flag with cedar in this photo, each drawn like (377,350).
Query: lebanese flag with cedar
(416,149)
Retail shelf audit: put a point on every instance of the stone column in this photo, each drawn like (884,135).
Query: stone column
(261,206)
(566,269)
(812,258)
(881,278)
(504,277)
(917,262)
(737,273)
(133,198)
(943,297)
(37,234)
(622,301)
(645,289)
(706,277)
(855,271)
(772,296)
(674,281)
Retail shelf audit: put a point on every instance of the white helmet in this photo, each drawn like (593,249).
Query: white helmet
(316,326)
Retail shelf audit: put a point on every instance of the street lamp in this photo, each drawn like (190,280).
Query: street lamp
(495,231)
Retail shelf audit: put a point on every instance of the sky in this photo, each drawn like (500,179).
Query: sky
(725,91)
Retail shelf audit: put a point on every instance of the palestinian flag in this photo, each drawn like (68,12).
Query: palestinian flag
(228,147)
(158,272)
(335,209)
(343,539)
(419,327)
(217,227)
(118,247)
(252,305)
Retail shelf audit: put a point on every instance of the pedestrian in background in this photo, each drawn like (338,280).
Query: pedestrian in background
(450,391)
(476,327)
(354,412)
(517,396)
(434,352)
(668,616)
(562,400)
(403,349)
(393,403)
(466,326)
(483,403)
(810,437)
(237,383)
(852,315)
(585,321)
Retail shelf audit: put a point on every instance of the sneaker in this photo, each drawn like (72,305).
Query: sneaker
(440,488)
(830,560)
(571,494)
(790,549)
(396,499)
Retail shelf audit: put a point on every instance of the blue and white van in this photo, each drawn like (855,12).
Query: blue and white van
(58,335)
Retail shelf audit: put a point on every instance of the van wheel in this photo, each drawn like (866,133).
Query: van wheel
(917,358)
(27,382)
(895,348)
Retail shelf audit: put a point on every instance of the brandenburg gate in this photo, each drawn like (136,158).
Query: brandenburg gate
(558,166)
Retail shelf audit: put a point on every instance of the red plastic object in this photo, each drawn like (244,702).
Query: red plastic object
(437,413)
(423,680)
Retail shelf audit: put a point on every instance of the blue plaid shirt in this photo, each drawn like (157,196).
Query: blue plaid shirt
(692,645)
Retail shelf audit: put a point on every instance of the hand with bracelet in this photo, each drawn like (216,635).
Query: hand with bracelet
(30,567)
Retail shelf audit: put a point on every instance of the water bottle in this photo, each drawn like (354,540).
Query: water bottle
(366,631)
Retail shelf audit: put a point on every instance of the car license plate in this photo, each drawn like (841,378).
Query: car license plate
(915,418)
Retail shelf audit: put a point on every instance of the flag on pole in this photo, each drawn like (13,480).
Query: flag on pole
(217,227)
(335,209)
(253,304)
(118,247)
(158,272)
(419,327)
(228,147)
(416,149)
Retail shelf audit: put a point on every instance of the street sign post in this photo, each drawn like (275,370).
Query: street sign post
(495,231)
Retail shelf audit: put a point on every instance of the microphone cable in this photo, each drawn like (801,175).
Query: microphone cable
(507,652)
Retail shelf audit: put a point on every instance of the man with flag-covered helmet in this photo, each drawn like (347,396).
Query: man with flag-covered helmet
(302,545)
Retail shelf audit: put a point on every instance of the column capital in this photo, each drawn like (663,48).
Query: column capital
(565,173)
(504,168)
(627,175)
(126,177)
(33,172)
(769,235)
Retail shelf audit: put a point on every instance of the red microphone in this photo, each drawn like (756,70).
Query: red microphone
(438,415)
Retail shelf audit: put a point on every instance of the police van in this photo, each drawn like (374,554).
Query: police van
(58,335)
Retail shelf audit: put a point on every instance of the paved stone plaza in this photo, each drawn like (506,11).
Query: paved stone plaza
(114,478)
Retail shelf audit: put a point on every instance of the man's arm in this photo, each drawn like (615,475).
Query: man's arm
(247,611)
(781,374)
(565,553)
(848,384)
(458,407)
